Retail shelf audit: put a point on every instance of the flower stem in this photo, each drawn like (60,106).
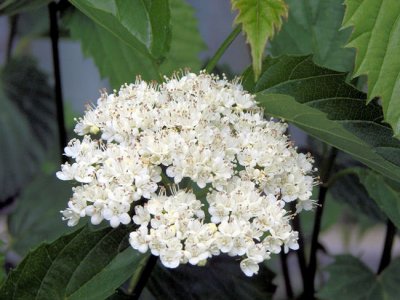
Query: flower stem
(144,277)
(388,245)
(326,168)
(54,35)
(221,50)
(285,271)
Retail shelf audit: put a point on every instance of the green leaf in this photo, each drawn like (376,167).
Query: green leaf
(37,218)
(142,25)
(186,42)
(260,19)
(320,102)
(376,35)
(221,278)
(345,187)
(27,122)
(350,279)
(349,190)
(123,63)
(313,27)
(71,266)
(123,266)
(115,60)
(12,7)
(385,192)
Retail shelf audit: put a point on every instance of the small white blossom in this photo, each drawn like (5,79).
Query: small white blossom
(199,132)
(249,267)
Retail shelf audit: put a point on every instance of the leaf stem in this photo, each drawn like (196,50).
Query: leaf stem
(388,245)
(326,168)
(221,50)
(54,36)
(285,271)
(144,277)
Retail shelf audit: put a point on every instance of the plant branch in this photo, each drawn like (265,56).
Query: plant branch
(301,256)
(221,50)
(388,245)
(13,21)
(54,35)
(144,277)
(285,271)
(326,168)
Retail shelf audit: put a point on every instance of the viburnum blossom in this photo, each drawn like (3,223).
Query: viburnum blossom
(193,163)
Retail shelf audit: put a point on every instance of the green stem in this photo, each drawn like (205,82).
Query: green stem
(165,180)
(221,50)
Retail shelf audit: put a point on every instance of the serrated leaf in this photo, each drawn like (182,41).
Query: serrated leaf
(186,42)
(385,193)
(320,102)
(27,122)
(121,64)
(221,278)
(36,217)
(60,269)
(141,25)
(313,27)
(12,7)
(376,35)
(260,19)
(350,279)
(115,60)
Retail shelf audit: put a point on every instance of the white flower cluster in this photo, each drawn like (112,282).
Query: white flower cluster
(194,129)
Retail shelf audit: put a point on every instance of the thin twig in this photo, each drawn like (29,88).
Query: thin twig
(326,168)
(387,247)
(286,277)
(54,35)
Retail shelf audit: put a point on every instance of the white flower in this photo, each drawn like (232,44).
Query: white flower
(199,132)
(142,216)
(249,267)
(170,258)
(137,239)
(67,171)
